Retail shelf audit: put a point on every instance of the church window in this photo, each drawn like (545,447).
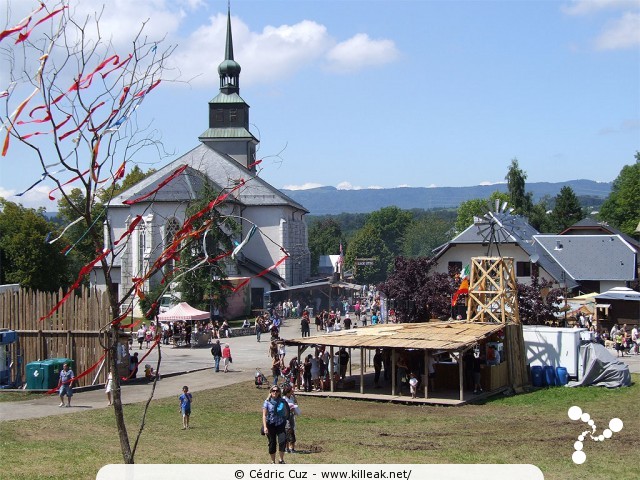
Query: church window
(233,115)
(142,246)
(170,229)
(219,115)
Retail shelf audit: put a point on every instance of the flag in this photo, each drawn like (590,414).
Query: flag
(341,259)
(463,289)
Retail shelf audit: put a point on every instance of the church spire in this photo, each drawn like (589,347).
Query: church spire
(229,69)
(228,131)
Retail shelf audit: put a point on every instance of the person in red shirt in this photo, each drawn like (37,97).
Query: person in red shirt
(226,357)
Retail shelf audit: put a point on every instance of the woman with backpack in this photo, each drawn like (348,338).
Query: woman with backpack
(275,412)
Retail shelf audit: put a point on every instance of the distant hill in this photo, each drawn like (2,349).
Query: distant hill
(331,201)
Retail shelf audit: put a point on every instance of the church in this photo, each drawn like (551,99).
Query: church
(225,155)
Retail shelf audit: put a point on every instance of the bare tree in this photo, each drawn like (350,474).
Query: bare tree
(72,100)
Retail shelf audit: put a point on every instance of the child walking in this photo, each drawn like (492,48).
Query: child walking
(413,384)
(185,406)
(109,386)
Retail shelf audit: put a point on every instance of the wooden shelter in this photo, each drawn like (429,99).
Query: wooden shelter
(423,339)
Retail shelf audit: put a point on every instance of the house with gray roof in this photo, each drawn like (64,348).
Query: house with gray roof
(580,263)
(224,159)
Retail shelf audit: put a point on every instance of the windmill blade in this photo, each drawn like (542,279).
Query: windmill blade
(504,207)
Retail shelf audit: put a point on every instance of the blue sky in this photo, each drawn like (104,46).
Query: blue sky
(362,94)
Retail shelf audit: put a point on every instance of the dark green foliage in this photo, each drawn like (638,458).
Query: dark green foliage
(477,208)
(324,239)
(25,257)
(622,208)
(367,243)
(518,197)
(391,224)
(567,210)
(426,234)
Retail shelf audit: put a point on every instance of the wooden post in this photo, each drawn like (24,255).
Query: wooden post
(331,368)
(362,370)
(393,371)
(461,375)
(426,375)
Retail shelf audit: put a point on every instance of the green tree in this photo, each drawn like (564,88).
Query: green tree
(539,217)
(425,234)
(135,176)
(518,198)
(567,210)
(367,243)
(195,274)
(477,208)
(391,223)
(25,257)
(324,239)
(79,237)
(622,208)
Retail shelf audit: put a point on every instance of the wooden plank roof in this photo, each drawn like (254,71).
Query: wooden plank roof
(447,336)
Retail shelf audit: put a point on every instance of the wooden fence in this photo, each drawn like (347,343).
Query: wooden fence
(73,331)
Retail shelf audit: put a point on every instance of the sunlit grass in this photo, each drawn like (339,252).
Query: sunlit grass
(528,428)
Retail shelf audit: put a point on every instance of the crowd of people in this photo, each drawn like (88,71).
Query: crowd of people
(182,333)
(624,341)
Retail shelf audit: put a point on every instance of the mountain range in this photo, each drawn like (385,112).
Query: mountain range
(331,201)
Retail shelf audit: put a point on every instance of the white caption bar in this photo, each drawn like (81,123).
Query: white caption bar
(319,472)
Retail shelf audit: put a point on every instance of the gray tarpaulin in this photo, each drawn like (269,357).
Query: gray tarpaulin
(601,368)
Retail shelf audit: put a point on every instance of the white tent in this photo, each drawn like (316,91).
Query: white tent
(183,312)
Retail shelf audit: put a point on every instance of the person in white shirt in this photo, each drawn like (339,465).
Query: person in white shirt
(635,338)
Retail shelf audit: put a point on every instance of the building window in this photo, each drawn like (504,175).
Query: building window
(142,246)
(170,230)
(233,115)
(219,116)
(523,269)
(455,268)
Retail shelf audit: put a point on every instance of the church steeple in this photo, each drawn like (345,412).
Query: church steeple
(229,69)
(228,130)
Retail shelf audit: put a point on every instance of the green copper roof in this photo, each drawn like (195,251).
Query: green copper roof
(228,132)
(227,98)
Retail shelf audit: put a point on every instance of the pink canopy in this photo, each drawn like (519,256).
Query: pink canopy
(185,312)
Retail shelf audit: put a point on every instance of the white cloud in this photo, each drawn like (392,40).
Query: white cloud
(487,183)
(276,52)
(373,187)
(404,185)
(621,33)
(265,56)
(360,52)
(433,185)
(585,7)
(34,198)
(346,186)
(305,186)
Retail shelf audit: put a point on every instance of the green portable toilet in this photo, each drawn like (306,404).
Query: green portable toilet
(35,375)
(44,375)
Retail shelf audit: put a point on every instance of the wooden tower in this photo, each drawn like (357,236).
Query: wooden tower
(493,292)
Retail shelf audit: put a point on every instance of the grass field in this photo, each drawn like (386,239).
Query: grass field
(528,428)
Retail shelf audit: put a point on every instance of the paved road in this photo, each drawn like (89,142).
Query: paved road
(180,366)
